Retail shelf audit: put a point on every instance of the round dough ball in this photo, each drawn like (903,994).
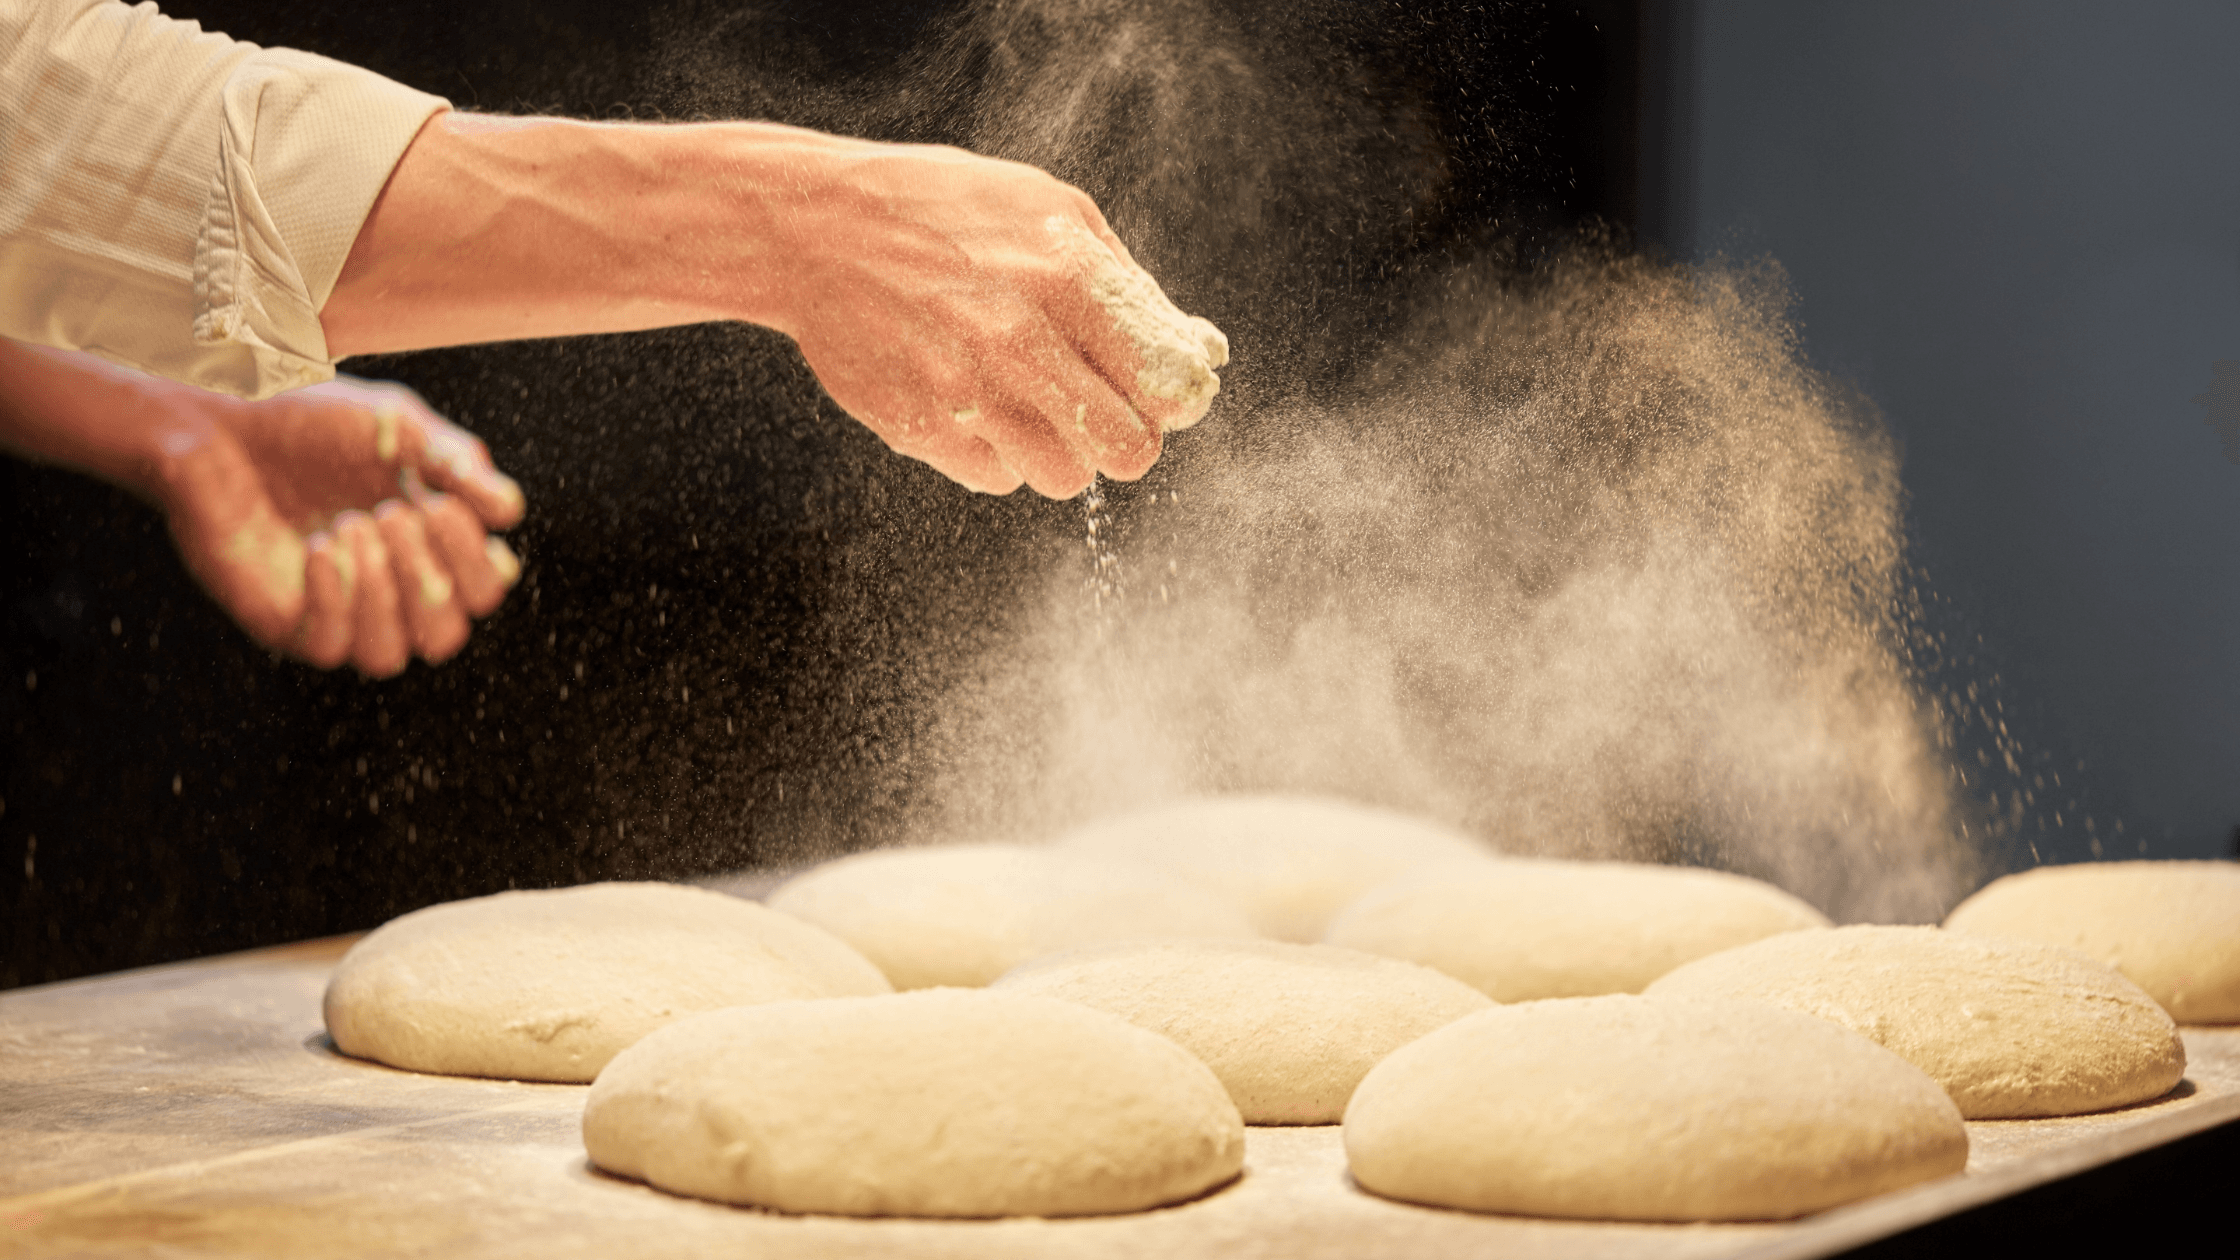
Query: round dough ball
(1526,928)
(2010,1028)
(547,986)
(946,1102)
(1289,1029)
(1647,1109)
(1288,862)
(965,914)
(2173,927)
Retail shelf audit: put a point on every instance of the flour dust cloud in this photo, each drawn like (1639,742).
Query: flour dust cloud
(1564,545)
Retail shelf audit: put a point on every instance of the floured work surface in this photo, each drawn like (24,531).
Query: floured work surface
(198,1109)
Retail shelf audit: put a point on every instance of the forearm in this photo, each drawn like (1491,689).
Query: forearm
(57,407)
(499,229)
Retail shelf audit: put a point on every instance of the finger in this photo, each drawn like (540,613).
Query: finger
(425,591)
(458,540)
(1027,444)
(941,433)
(939,440)
(386,429)
(329,582)
(455,461)
(1082,406)
(974,465)
(378,646)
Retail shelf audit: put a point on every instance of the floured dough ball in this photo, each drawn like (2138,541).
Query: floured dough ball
(965,914)
(1288,862)
(1524,928)
(2011,1028)
(1647,1109)
(948,1102)
(2173,927)
(1289,1029)
(547,986)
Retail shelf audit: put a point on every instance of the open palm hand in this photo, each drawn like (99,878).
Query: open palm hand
(344,522)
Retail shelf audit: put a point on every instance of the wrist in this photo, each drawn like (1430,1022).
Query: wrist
(758,199)
(76,411)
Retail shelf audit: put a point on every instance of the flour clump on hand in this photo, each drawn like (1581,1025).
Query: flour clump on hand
(946,1103)
(1177,354)
(965,914)
(549,985)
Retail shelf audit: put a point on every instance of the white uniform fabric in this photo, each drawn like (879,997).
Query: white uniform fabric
(178,201)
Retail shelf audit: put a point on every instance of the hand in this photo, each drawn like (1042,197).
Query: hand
(344,522)
(981,316)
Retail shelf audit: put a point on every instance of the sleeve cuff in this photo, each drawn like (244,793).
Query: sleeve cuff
(305,146)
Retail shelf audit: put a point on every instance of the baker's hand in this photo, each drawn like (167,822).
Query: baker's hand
(343,522)
(981,316)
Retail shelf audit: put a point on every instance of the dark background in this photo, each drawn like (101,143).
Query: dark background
(2011,224)
(709,661)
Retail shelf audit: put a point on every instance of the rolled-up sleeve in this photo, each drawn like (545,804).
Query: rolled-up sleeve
(178,201)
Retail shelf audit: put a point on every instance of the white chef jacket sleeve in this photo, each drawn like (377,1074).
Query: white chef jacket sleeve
(181,202)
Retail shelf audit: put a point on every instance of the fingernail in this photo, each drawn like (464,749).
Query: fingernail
(502,559)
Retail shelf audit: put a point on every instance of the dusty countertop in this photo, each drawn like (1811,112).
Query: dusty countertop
(198,1109)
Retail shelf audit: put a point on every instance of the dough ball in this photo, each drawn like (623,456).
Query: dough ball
(1289,1029)
(1288,862)
(947,1102)
(2011,1028)
(1525,928)
(1647,1109)
(965,914)
(2173,927)
(547,986)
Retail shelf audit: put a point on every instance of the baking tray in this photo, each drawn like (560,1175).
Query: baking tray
(198,1109)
